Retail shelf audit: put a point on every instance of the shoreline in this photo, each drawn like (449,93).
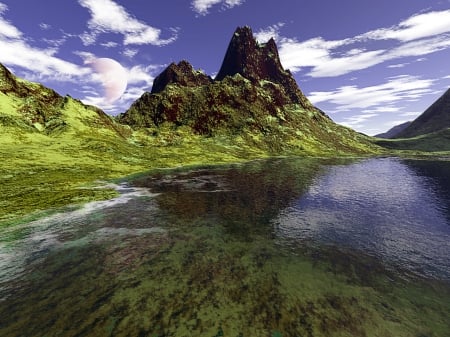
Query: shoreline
(111,179)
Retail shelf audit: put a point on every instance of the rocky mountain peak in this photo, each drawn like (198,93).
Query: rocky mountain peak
(182,74)
(257,62)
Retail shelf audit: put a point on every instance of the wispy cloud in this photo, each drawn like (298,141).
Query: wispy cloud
(419,35)
(410,114)
(358,120)
(416,27)
(130,53)
(400,88)
(16,51)
(266,34)
(202,6)
(109,44)
(399,65)
(109,17)
(44,26)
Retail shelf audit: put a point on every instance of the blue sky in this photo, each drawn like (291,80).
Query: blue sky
(368,64)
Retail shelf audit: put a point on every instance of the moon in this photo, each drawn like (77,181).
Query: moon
(113,77)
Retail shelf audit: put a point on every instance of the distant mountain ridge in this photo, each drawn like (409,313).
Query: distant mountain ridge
(392,132)
(435,118)
(252,98)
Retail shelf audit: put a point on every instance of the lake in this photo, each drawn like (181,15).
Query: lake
(277,247)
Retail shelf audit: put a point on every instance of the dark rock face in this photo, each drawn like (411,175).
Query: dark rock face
(182,74)
(257,62)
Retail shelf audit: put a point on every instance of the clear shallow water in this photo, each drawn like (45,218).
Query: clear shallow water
(284,247)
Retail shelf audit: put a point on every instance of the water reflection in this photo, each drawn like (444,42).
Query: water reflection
(380,207)
(243,198)
(437,176)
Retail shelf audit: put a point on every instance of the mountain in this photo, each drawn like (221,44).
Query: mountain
(435,118)
(391,133)
(252,101)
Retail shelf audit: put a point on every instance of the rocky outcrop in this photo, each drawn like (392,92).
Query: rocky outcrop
(182,74)
(259,62)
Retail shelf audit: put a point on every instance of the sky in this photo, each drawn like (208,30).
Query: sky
(369,65)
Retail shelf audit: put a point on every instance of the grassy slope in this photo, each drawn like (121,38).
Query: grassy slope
(435,143)
(45,169)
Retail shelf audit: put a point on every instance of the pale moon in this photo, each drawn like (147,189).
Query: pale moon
(113,77)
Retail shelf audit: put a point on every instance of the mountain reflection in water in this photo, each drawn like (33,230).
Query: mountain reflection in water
(279,247)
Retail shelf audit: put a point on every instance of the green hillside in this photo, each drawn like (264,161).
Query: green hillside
(432,142)
(435,118)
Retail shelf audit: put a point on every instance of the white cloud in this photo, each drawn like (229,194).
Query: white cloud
(202,6)
(16,51)
(109,44)
(142,75)
(358,120)
(108,16)
(410,114)
(266,34)
(130,53)
(416,27)
(7,30)
(311,53)
(417,36)
(344,65)
(399,65)
(45,26)
(383,109)
(400,88)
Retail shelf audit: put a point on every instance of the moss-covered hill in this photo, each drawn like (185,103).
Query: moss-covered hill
(428,134)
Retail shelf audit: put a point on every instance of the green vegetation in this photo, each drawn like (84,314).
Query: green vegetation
(435,143)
